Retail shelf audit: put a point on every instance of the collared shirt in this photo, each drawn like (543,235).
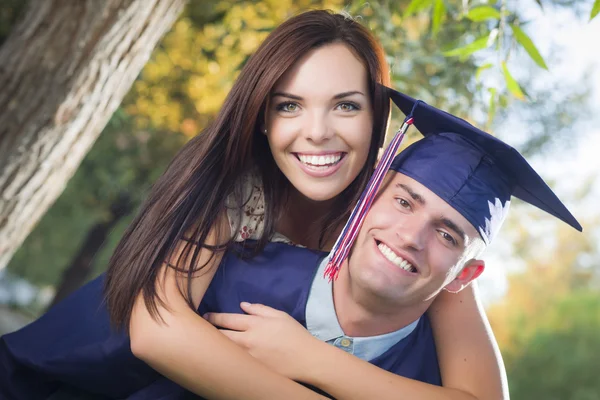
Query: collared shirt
(322,323)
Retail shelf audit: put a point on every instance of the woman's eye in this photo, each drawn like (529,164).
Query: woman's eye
(348,107)
(288,107)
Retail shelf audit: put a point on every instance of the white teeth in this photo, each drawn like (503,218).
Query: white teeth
(395,259)
(320,161)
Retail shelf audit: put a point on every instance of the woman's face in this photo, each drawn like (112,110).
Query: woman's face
(319,121)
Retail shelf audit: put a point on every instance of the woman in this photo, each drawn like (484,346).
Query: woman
(294,130)
(320,130)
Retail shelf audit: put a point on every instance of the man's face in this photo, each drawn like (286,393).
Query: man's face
(411,245)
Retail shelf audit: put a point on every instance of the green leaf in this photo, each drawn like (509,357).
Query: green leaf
(481,69)
(595,9)
(528,45)
(503,101)
(512,84)
(478,44)
(478,14)
(415,6)
(439,12)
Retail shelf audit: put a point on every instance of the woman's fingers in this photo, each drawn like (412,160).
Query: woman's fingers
(242,322)
(259,310)
(236,322)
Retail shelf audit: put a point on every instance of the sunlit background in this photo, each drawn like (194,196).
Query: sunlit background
(541,287)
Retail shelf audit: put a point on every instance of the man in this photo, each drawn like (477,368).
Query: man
(435,214)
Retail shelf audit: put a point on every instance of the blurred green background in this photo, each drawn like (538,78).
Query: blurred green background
(472,58)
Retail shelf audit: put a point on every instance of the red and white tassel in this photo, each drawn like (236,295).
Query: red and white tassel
(344,243)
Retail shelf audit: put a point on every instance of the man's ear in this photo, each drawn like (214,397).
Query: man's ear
(470,272)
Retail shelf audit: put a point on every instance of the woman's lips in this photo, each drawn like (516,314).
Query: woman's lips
(320,165)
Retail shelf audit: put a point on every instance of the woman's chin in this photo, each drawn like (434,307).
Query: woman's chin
(318,194)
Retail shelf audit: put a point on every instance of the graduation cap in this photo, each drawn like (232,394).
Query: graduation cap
(474,172)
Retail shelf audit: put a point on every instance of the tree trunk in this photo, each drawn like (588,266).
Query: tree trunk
(82,264)
(63,71)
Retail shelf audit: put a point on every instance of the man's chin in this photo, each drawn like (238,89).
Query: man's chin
(388,290)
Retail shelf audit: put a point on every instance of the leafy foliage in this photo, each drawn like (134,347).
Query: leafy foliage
(595,9)
(559,360)
(524,40)
(483,13)
(547,323)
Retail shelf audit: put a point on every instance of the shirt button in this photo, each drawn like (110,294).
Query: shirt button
(345,342)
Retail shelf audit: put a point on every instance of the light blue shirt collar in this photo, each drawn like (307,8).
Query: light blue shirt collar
(322,323)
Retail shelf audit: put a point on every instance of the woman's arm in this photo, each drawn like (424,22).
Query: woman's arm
(282,343)
(345,376)
(188,350)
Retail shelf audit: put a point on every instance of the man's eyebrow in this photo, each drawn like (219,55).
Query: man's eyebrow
(415,196)
(452,226)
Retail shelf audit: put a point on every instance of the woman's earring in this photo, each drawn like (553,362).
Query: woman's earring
(265,131)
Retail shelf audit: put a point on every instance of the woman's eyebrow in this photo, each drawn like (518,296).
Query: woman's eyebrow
(347,94)
(336,97)
(284,94)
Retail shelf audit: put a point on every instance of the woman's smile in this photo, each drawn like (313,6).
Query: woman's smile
(320,164)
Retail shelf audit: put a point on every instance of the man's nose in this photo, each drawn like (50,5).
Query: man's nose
(318,129)
(411,232)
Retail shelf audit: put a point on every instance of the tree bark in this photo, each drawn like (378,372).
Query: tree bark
(64,69)
(82,264)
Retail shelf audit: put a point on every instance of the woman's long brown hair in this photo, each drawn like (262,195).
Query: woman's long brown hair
(187,201)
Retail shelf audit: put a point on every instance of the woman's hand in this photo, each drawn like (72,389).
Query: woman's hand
(271,336)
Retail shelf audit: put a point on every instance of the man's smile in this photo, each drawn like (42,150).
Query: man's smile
(395,258)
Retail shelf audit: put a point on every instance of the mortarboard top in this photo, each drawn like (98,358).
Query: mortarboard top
(471,170)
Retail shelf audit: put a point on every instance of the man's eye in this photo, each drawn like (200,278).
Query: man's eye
(447,237)
(348,106)
(403,203)
(288,107)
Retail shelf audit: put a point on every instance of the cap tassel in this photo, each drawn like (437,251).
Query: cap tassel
(344,243)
